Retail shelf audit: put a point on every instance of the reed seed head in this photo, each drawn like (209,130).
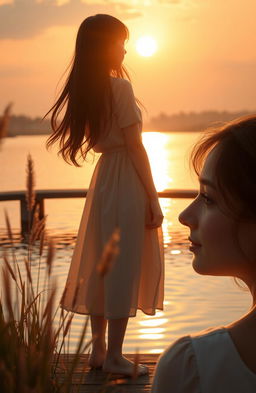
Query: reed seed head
(30,183)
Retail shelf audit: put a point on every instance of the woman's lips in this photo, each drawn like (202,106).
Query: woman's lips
(195,246)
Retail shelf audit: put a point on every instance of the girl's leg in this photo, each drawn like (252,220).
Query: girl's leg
(115,362)
(98,328)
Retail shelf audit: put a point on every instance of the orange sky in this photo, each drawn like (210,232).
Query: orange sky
(206,57)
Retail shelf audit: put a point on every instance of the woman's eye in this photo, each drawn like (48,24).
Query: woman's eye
(206,198)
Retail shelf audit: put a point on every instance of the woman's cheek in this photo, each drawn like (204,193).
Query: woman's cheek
(217,242)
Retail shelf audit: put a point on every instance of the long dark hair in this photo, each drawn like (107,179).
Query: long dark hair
(87,95)
(235,168)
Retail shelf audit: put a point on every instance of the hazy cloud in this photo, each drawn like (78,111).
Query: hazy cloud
(28,18)
(170,1)
(190,3)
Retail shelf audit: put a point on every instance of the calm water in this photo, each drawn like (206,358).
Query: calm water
(192,302)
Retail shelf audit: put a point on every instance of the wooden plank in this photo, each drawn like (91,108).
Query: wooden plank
(146,357)
(87,380)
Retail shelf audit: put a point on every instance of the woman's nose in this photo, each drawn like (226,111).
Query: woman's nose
(182,218)
(188,216)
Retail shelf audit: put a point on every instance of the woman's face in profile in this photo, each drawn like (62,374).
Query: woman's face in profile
(220,246)
(117,53)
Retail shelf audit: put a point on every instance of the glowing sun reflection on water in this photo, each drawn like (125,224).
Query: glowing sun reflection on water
(153,328)
(159,153)
(156,146)
(153,322)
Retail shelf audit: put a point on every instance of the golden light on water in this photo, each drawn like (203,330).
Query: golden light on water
(152,330)
(156,350)
(166,205)
(175,252)
(153,322)
(151,336)
(155,144)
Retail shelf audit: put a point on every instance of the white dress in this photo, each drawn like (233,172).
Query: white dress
(207,362)
(116,198)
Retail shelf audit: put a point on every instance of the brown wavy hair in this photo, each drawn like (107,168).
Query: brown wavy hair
(87,95)
(235,170)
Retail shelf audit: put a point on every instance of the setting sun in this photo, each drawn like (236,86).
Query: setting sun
(146,46)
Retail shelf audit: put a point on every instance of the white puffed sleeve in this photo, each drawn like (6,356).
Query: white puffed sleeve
(176,369)
(125,108)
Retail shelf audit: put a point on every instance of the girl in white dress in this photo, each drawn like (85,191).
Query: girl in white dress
(101,114)
(222,224)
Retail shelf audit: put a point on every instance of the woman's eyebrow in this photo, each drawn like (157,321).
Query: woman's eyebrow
(207,182)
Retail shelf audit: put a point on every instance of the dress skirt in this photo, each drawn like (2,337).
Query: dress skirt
(116,198)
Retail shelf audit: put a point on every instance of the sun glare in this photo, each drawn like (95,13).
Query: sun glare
(146,46)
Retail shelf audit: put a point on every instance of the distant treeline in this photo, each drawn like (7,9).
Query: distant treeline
(192,121)
(25,125)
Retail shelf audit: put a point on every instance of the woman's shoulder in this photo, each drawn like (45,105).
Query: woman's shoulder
(209,337)
(184,347)
(120,81)
(122,89)
(219,364)
(179,351)
(208,333)
(125,107)
(176,367)
(204,361)
(178,364)
(120,84)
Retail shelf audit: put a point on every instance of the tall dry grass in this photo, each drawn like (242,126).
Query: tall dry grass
(31,342)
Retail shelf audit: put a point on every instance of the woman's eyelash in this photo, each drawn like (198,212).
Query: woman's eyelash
(206,198)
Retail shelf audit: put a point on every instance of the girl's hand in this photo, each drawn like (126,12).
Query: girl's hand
(155,216)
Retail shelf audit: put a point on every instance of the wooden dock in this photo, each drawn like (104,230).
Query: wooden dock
(86,380)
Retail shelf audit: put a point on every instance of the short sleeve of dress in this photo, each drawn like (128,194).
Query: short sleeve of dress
(176,369)
(125,108)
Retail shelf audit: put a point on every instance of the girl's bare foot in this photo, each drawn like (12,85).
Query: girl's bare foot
(122,365)
(97,356)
